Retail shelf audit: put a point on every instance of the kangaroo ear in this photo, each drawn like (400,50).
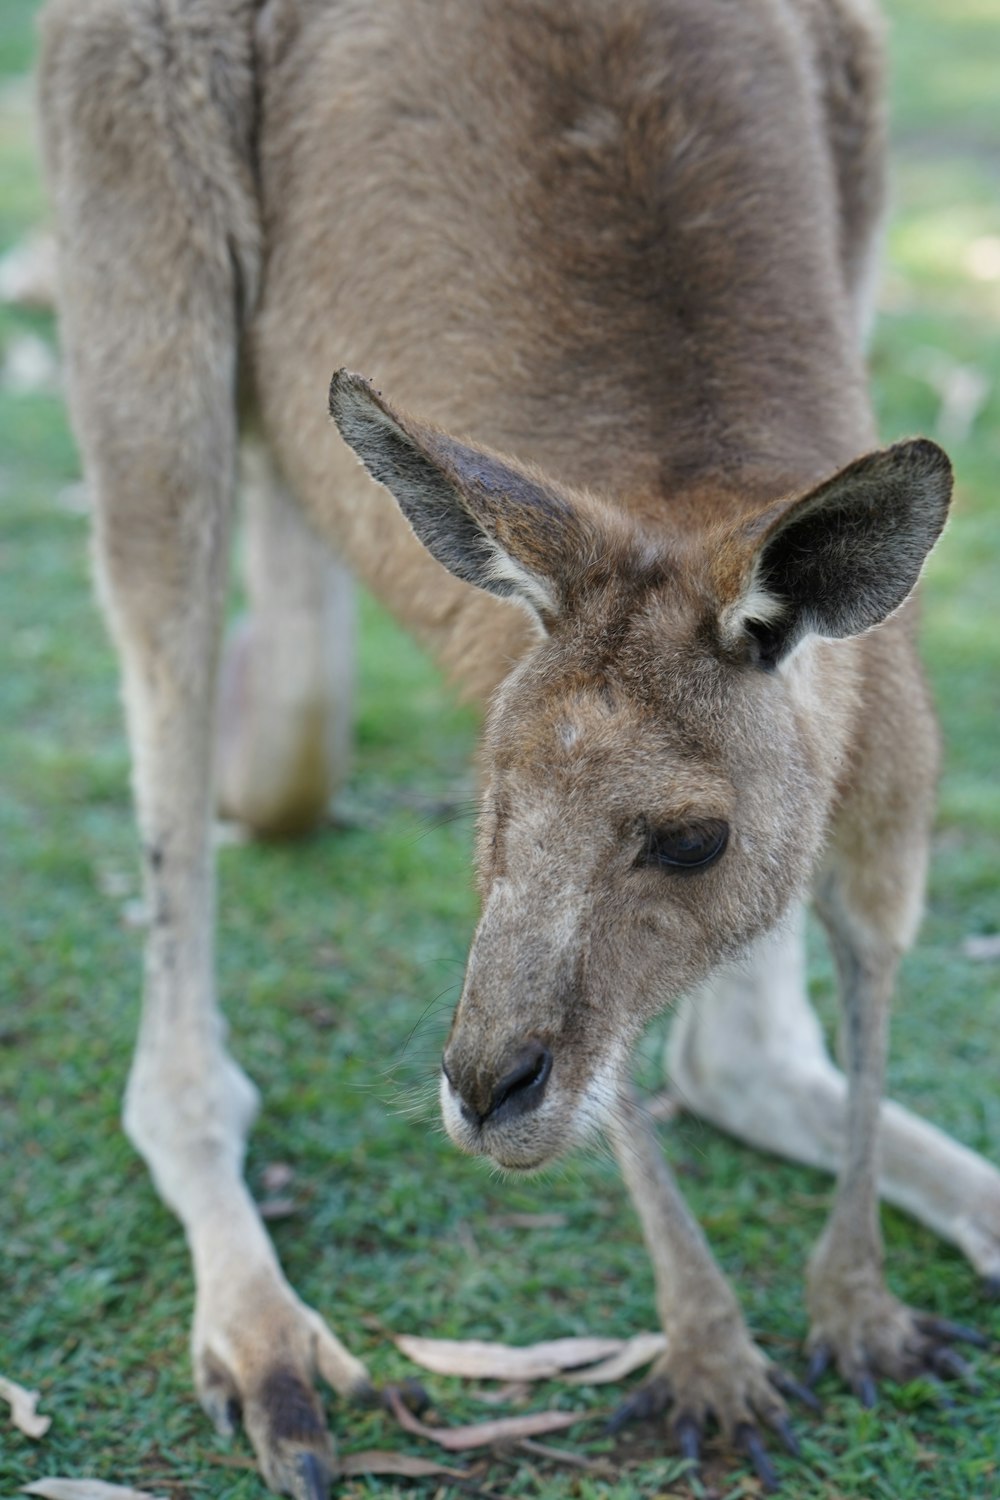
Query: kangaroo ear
(490,521)
(842,558)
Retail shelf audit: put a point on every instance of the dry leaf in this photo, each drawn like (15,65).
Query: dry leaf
(29,366)
(963,391)
(983,949)
(638,1351)
(28,273)
(482,1434)
(473,1359)
(529,1221)
(229,1461)
(277,1208)
(511,1393)
(23,1411)
(85,1489)
(381,1461)
(277,1176)
(565,1457)
(982,258)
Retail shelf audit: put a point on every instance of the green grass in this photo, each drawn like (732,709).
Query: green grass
(338,997)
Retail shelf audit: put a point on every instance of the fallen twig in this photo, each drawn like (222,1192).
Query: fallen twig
(482,1434)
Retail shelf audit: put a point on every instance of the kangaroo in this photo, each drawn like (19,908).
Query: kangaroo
(613,267)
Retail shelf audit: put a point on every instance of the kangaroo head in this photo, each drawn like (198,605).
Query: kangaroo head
(660,766)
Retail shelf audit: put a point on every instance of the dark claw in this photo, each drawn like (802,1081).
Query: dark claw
(795,1391)
(942,1328)
(752,1444)
(941,1392)
(687,1431)
(819,1363)
(619,1418)
(783,1427)
(865,1389)
(648,1401)
(312,1478)
(365,1395)
(951,1366)
(410,1392)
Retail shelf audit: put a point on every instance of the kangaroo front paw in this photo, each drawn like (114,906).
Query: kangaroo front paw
(257,1352)
(703,1379)
(859,1327)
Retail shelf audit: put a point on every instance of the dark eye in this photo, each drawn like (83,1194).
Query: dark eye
(688,846)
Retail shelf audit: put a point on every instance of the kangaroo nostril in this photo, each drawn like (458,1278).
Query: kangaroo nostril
(522,1086)
(517,1091)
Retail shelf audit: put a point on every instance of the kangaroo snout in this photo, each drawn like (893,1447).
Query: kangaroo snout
(502,1093)
(498,1099)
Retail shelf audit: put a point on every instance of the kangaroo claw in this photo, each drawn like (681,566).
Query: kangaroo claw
(749,1440)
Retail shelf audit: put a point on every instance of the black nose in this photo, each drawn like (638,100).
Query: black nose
(519,1089)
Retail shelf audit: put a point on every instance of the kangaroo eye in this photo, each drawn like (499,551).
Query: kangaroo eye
(690,846)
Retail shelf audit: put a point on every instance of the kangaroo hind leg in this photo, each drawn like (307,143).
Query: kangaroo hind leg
(287,670)
(147,115)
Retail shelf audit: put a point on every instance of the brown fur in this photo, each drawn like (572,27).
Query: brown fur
(630,245)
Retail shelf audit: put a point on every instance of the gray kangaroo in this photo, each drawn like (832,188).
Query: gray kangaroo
(631,246)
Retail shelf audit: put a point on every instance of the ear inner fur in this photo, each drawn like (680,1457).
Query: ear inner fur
(844,557)
(485,518)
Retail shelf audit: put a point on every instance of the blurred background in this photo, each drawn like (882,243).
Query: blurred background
(379,1223)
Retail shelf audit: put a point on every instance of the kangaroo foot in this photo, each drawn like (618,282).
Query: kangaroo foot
(700,1380)
(257,1351)
(867,1334)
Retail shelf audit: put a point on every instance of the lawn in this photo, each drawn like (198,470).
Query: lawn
(338,997)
